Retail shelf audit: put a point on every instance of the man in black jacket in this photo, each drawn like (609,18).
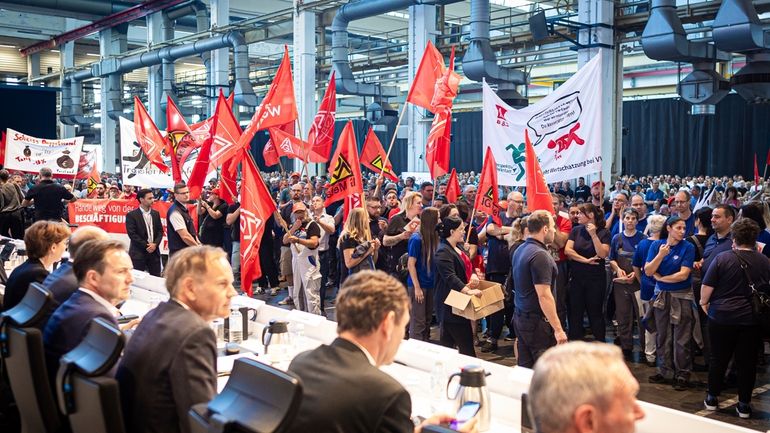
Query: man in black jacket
(181,230)
(145,231)
(169,364)
(47,196)
(62,282)
(343,389)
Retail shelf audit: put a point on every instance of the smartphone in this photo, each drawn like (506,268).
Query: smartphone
(465,414)
(122,320)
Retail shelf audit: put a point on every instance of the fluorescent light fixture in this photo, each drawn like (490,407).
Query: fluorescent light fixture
(54,51)
(192,64)
(93,55)
(7,46)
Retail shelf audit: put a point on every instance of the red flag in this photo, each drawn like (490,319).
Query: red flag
(766,162)
(488,197)
(230,99)
(446,87)
(279,106)
(93,180)
(428,73)
(437,147)
(321,134)
(256,208)
(150,140)
(351,202)
(227,133)
(344,168)
(202,166)
(373,155)
(452,188)
(269,153)
(2,147)
(180,138)
(538,195)
(756,170)
(228,183)
(289,145)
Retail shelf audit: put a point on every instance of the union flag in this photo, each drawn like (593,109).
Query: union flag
(374,158)
(344,168)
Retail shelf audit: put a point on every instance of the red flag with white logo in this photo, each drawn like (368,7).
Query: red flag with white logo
(256,207)
(321,134)
(290,146)
(150,140)
(202,166)
(452,188)
(227,133)
(373,156)
(344,168)
(438,145)
(538,194)
(488,197)
(428,73)
(269,152)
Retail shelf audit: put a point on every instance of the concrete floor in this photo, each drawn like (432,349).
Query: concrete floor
(690,400)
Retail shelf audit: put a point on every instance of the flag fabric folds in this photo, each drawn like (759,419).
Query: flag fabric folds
(150,140)
(438,146)
(538,194)
(289,145)
(446,86)
(429,71)
(374,158)
(279,106)
(256,207)
(93,180)
(202,165)
(269,152)
(344,168)
(488,196)
(452,188)
(179,138)
(226,134)
(321,134)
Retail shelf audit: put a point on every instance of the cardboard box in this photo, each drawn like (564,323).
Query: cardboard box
(473,307)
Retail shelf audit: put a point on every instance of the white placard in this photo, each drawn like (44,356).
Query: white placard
(29,154)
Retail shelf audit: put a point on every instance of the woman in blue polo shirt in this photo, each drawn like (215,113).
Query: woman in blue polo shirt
(670,262)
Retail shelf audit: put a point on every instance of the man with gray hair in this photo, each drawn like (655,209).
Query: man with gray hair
(583,387)
(47,196)
(62,281)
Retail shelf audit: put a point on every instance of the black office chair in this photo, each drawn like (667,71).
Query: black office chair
(21,347)
(90,399)
(257,399)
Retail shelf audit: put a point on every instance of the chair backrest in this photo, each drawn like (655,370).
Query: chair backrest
(257,398)
(89,399)
(21,346)
(437,429)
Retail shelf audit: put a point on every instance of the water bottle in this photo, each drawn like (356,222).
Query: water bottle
(236,326)
(437,384)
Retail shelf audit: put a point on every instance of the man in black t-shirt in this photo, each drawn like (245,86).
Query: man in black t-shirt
(47,197)
(582,191)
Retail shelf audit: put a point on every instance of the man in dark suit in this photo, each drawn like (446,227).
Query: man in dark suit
(62,282)
(372,312)
(103,270)
(169,364)
(145,231)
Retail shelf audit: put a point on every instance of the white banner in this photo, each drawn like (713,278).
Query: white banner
(565,128)
(29,154)
(137,170)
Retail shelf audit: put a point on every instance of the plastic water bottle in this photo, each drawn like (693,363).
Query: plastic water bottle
(236,326)
(437,386)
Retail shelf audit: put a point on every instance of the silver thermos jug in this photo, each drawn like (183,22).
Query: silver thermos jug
(275,333)
(473,388)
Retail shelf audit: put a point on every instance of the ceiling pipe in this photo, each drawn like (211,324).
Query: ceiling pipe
(480,62)
(244,92)
(346,83)
(737,29)
(664,38)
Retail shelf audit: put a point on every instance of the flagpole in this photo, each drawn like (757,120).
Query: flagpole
(470,225)
(390,148)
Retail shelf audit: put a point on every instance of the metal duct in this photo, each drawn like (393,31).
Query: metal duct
(66,100)
(480,62)
(76,98)
(664,38)
(244,92)
(346,83)
(737,28)
(167,68)
(170,18)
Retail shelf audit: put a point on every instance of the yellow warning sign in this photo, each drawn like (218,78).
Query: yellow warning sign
(91,185)
(341,171)
(490,193)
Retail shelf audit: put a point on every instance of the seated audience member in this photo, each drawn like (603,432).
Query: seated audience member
(103,271)
(45,242)
(62,282)
(372,312)
(583,387)
(169,364)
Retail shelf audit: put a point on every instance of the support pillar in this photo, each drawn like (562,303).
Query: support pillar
(66,62)
(422,28)
(219,77)
(602,12)
(33,67)
(112,42)
(304,74)
(154,73)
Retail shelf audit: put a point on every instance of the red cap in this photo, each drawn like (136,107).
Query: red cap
(597,183)
(298,206)
(295,174)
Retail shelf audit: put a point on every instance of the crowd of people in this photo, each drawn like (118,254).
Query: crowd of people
(659,260)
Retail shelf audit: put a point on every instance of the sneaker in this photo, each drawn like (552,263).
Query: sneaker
(286,301)
(711,402)
(743,410)
(509,336)
(680,384)
(658,378)
(488,346)
(273,292)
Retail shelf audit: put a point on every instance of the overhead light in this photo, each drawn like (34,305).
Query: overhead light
(54,51)
(191,64)
(93,55)
(7,46)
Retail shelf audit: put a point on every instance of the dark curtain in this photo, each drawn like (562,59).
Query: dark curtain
(661,137)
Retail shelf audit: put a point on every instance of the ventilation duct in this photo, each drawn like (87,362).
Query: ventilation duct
(664,38)
(244,93)
(480,62)
(170,18)
(346,83)
(737,29)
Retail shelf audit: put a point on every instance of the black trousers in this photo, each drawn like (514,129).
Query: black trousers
(269,267)
(458,335)
(147,262)
(325,257)
(740,342)
(499,318)
(12,224)
(586,294)
(534,336)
